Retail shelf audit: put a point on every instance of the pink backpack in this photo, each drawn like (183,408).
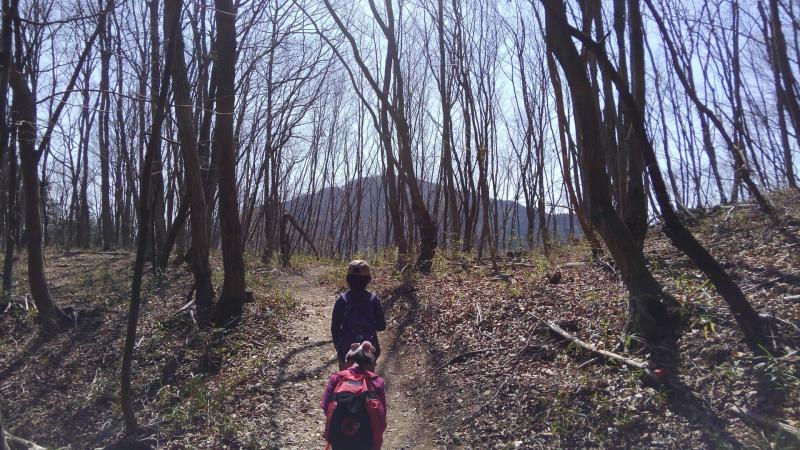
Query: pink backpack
(356,417)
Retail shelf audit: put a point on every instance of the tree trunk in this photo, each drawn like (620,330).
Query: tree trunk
(51,318)
(232,298)
(157,182)
(635,212)
(447,133)
(204,290)
(679,235)
(647,315)
(780,96)
(561,116)
(107,224)
(7,143)
(11,215)
(142,240)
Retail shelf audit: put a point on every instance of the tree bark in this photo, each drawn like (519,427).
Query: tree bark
(157,184)
(232,298)
(51,318)
(7,146)
(106,220)
(194,181)
(647,314)
(142,245)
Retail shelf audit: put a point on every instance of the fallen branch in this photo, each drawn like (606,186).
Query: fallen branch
(68,253)
(763,283)
(183,308)
(15,443)
(638,365)
(774,425)
(10,442)
(302,232)
(771,318)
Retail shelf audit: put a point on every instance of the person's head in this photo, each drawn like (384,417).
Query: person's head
(361,354)
(358,275)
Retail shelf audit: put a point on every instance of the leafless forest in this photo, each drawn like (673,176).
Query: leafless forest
(467,130)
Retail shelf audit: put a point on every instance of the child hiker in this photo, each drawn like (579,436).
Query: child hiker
(355,403)
(357,314)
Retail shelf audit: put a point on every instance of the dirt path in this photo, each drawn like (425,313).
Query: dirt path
(309,358)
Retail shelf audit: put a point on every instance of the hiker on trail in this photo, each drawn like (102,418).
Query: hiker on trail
(354,402)
(357,314)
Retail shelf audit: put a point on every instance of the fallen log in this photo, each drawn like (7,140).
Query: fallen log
(774,425)
(632,363)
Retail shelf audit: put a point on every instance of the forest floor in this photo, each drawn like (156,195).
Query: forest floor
(466,360)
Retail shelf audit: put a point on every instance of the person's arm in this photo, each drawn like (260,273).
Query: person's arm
(328,394)
(377,312)
(382,396)
(336,319)
(380,391)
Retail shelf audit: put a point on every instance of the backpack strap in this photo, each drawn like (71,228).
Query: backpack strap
(348,306)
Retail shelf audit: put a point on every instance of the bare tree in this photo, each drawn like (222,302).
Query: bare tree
(204,290)
(232,297)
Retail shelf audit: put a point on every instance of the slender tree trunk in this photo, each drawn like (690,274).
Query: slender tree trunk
(51,318)
(106,220)
(780,97)
(204,290)
(635,213)
(586,227)
(232,298)
(7,145)
(142,246)
(157,184)
(11,215)
(447,132)
(84,227)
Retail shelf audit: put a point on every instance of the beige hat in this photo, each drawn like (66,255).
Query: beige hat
(358,267)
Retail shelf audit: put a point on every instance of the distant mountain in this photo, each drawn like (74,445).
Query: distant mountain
(338,214)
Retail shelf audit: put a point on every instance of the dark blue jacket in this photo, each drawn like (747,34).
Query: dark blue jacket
(357,316)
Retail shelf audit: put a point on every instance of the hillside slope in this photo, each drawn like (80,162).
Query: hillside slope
(504,379)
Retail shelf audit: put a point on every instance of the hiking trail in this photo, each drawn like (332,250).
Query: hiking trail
(308,358)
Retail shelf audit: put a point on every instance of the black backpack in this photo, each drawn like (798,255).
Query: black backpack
(359,319)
